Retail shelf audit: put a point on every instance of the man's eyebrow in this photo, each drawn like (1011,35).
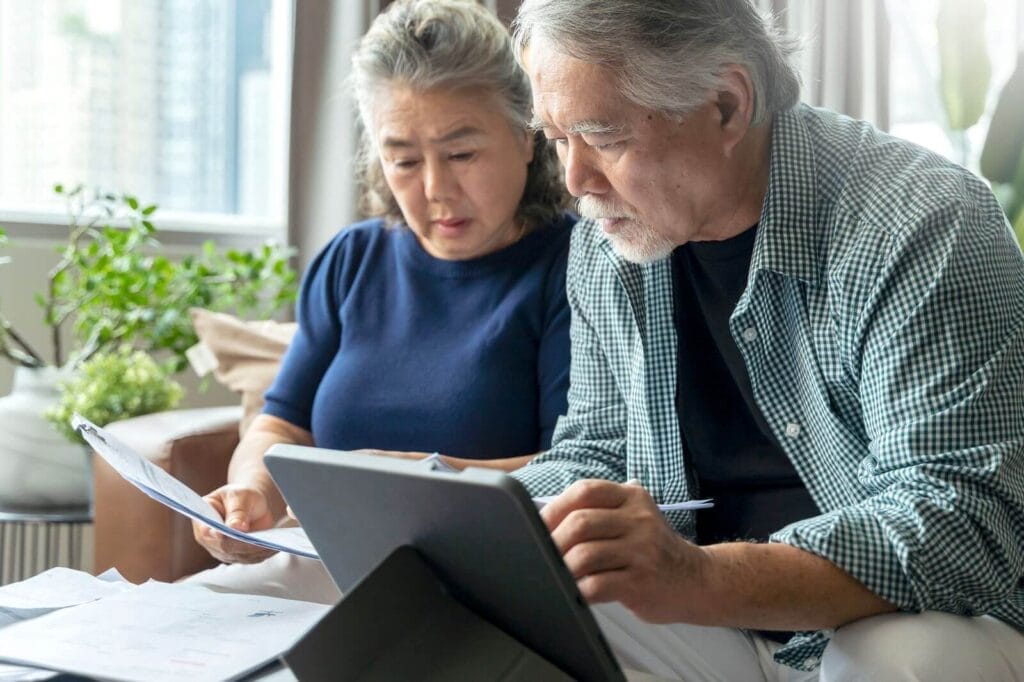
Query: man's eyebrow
(457,134)
(585,127)
(594,127)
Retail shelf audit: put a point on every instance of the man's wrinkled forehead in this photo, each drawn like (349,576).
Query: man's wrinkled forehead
(570,94)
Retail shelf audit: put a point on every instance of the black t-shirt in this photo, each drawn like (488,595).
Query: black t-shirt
(732,455)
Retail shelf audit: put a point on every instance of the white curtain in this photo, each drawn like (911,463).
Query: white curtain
(845,61)
(321,185)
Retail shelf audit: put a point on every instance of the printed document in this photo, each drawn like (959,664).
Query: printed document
(162,632)
(164,488)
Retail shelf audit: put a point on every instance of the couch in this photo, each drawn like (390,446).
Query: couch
(140,537)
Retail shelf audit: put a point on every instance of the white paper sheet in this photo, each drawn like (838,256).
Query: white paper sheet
(688,505)
(55,589)
(164,488)
(44,593)
(160,631)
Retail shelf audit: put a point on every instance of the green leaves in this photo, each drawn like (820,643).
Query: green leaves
(111,386)
(114,288)
(121,292)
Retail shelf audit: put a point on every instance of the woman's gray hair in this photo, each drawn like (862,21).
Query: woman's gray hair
(668,54)
(447,45)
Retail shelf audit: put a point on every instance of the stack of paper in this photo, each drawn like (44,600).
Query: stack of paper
(114,630)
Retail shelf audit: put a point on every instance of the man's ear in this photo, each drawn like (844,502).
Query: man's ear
(735,103)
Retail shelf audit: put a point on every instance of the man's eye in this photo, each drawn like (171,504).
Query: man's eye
(405,163)
(461,156)
(607,146)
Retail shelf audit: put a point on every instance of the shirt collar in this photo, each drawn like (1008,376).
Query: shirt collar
(789,240)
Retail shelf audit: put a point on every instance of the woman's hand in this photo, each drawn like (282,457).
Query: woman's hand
(243,508)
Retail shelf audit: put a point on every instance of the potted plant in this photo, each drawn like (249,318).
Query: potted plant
(111,289)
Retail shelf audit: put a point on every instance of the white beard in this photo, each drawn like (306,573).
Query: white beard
(636,241)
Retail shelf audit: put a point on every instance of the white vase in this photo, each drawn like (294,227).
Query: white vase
(38,466)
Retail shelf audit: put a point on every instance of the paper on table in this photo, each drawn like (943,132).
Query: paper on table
(44,593)
(164,488)
(160,631)
(55,589)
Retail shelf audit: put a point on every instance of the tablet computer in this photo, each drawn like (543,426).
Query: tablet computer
(477,529)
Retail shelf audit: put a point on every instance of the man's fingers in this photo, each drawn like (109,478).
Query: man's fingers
(606,586)
(589,525)
(591,558)
(585,494)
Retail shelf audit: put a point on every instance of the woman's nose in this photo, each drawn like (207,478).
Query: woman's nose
(439,183)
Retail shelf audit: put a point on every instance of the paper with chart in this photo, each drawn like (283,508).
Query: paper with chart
(159,631)
(164,488)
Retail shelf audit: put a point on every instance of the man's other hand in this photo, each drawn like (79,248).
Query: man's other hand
(619,547)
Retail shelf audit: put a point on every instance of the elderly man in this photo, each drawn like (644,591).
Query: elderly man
(784,309)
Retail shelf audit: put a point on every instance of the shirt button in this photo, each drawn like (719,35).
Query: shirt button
(749,334)
(792,430)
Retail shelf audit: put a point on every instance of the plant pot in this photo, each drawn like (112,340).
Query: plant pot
(38,466)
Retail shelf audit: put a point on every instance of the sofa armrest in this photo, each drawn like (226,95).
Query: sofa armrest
(140,537)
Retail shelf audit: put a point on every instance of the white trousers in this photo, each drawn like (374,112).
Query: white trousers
(898,647)
(281,575)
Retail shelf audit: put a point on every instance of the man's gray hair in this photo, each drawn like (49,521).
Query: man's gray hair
(667,55)
(455,45)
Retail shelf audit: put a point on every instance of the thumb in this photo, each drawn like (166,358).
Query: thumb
(634,482)
(236,510)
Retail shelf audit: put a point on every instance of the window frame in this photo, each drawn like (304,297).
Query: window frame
(184,228)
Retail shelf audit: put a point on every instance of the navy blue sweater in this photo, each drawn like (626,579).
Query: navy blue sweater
(399,350)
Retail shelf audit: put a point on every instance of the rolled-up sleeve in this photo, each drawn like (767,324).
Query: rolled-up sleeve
(940,354)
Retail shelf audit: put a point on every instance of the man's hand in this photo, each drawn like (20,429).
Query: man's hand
(243,508)
(619,547)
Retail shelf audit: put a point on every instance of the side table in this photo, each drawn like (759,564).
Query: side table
(33,539)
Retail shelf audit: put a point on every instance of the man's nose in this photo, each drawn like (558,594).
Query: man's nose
(439,183)
(582,176)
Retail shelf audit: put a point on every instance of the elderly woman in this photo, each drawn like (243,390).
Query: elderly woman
(441,325)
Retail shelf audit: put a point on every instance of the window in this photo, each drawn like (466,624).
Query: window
(181,102)
(917,113)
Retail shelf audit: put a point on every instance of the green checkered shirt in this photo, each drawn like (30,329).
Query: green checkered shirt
(883,330)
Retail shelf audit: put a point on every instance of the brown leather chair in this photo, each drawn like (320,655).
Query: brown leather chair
(138,536)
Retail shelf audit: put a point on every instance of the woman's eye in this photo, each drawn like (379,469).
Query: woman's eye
(405,163)
(606,146)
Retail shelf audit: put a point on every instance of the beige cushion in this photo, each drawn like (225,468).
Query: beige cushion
(248,354)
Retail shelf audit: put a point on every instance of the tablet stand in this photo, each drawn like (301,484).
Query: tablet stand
(401,623)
